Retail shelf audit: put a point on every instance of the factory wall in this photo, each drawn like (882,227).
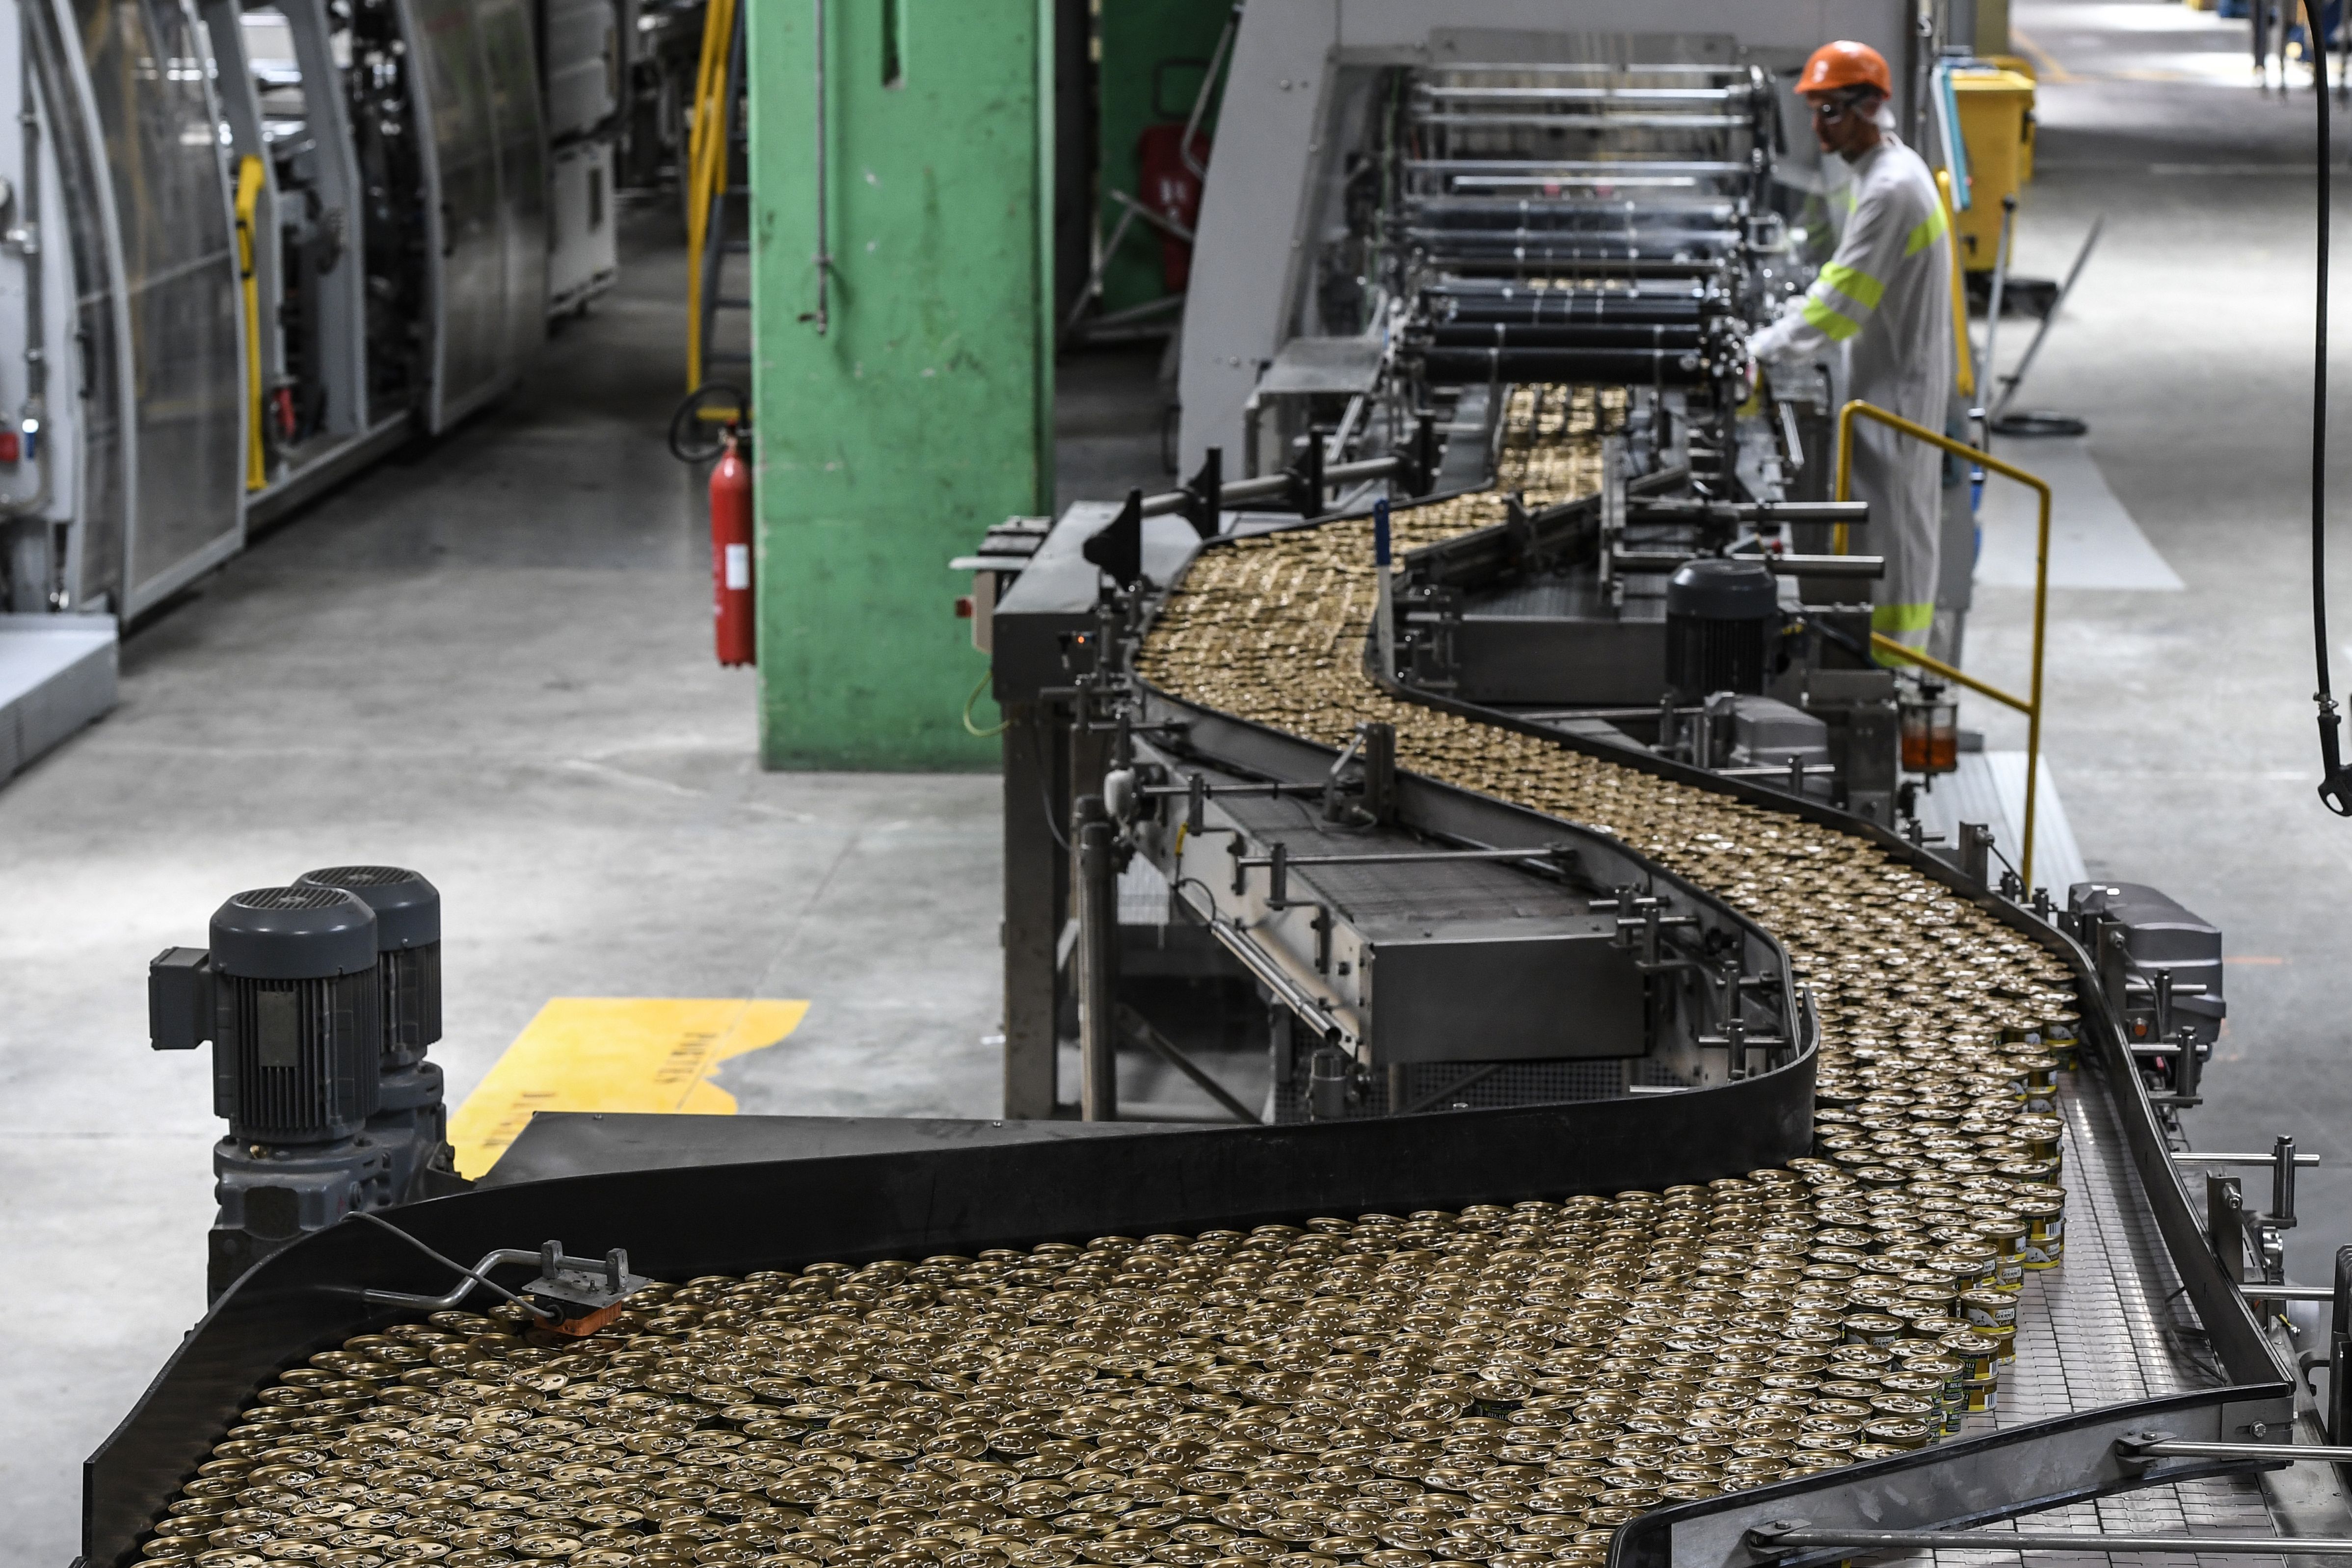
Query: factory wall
(906,403)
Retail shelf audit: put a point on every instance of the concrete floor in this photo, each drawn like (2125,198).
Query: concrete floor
(490,661)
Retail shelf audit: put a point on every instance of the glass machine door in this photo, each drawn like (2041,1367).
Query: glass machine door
(149,68)
(462,76)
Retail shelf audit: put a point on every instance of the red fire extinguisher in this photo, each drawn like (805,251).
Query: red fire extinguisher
(730,555)
(1172,188)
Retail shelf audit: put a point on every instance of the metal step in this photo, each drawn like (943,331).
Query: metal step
(57,674)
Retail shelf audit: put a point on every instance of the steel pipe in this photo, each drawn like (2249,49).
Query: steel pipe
(2194,1159)
(1097,903)
(1678,334)
(1270,486)
(1560,307)
(1661,366)
(2167,1448)
(1842,566)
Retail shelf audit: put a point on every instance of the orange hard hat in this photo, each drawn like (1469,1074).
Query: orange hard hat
(1846,64)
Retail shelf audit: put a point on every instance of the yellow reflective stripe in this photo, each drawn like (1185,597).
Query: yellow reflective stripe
(1896,619)
(1839,327)
(1855,283)
(1931,229)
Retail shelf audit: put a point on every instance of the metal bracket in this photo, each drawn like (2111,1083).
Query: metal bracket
(2147,1447)
(572,1296)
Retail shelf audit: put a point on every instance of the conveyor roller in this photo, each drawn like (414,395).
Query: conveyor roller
(1565,335)
(1659,367)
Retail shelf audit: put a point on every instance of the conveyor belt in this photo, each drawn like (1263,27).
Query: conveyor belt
(1268,628)
(2108,1329)
(1271,629)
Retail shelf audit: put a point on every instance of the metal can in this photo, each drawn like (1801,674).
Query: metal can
(2060,1033)
(1873,1328)
(2045,1229)
(1896,1432)
(2006,1233)
(1973,1261)
(1983,1309)
(1976,1355)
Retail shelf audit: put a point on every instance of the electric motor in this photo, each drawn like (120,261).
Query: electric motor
(1721,615)
(408,944)
(297,1026)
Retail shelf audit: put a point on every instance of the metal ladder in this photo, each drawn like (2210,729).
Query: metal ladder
(719,133)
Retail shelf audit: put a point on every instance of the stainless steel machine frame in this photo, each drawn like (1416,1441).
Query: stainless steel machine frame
(1281,114)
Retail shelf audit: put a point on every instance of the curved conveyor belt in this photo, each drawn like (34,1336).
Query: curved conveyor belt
(1508,1384)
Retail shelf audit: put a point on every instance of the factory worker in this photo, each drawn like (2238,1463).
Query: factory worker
(1886,299)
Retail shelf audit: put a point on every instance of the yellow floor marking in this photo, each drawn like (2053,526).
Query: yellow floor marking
(615,1053)
(2046,63)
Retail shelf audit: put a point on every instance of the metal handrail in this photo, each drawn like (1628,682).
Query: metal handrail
(706,163)
(2030,705)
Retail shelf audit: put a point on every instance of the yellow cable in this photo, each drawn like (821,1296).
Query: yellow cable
(971,729)
(249,202)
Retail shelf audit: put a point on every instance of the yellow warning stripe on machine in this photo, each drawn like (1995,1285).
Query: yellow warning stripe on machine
(615,1053)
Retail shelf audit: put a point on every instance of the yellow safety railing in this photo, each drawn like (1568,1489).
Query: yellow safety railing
(2031,706)
(706,165)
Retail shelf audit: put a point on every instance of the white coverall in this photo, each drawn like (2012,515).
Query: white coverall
(1886,299)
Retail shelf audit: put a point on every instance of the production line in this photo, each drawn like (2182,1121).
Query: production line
(318,234)
(1669,1154)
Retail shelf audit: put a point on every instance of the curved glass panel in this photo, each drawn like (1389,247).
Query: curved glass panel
(150,77)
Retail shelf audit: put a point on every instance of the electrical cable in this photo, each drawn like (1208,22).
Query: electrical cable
(978,687)
(1045,789)
(2334,785)
(1206,892)
(697,429)
(542,1314)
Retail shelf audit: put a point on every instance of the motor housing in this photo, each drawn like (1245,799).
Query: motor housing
(411,1123)
(1722,615)
(297,1015)
(408,949)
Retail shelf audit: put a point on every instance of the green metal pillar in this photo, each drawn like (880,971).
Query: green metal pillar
(903,391)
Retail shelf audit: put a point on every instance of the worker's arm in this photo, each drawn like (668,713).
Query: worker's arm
(1877,241)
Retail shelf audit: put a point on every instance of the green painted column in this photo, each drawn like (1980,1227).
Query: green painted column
(907,403)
